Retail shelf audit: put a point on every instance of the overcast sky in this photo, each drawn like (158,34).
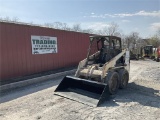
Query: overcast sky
(142,16)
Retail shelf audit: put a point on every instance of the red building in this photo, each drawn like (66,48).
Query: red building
(16,49)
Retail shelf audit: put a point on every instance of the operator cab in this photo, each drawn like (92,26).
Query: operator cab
(107,47)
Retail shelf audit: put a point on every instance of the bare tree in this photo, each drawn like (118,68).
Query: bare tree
(100,32)
(49,25)
(113,29)
(77,27)
(8,19)
(155,40)
(158,32)
(15,19)
(65,27)
(5,19)
(132,40)
(57,25)
(123,38)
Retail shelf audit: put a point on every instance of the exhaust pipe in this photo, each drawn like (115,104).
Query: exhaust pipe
(84,91)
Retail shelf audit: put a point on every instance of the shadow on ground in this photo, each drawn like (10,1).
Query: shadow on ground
(23,78)
(135,93)
(12,94)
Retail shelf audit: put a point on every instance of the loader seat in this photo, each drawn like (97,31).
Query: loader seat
(103,57)
(107,56)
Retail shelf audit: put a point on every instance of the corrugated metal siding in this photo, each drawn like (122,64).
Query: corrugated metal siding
(16,57)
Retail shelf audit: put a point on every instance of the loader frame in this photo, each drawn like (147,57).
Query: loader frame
(100,74)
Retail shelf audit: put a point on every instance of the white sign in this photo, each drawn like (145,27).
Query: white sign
(43,44)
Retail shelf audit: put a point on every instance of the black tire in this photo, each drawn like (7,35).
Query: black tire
(137,57)
(123,78)
(112,80)
(157,59)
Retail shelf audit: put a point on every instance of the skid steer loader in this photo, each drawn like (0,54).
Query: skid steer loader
(105,69)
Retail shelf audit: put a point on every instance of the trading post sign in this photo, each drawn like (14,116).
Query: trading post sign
(43,44)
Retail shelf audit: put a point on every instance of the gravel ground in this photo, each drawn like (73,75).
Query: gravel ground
(140,101)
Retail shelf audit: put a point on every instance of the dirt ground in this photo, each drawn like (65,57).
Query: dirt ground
(140,101)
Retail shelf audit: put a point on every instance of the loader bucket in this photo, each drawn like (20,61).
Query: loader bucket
(81,90)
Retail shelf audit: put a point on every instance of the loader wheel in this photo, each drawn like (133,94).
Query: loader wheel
(123,77)
(112,80)
(137,57)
